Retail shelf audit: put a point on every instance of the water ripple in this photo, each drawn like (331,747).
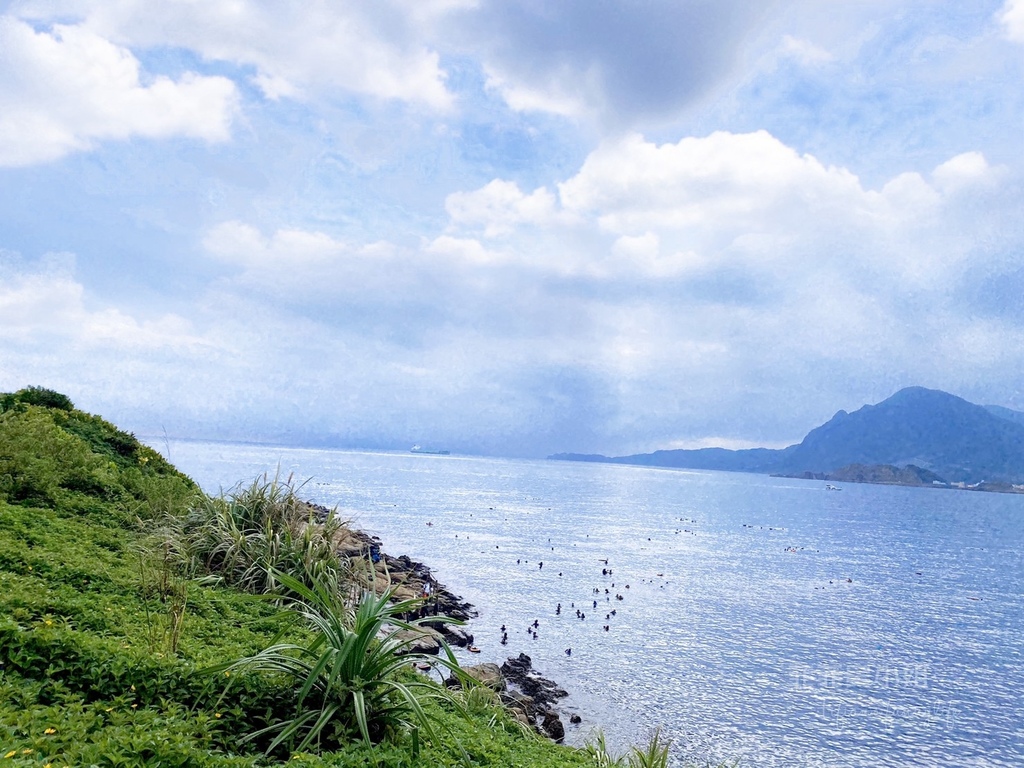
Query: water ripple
(764,619)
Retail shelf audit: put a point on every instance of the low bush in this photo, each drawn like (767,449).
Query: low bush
(348,673)
(247,536)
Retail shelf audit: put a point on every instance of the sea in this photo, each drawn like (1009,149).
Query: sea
(763,620)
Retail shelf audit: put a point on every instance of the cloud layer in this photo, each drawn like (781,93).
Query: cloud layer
(67,88)
(509,227)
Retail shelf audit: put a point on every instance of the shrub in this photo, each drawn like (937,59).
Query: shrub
(45,398)
(257,531)
(38,459)
(348,675)
(654,755)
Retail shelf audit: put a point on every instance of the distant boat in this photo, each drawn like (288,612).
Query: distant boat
(832,488)
(418,449)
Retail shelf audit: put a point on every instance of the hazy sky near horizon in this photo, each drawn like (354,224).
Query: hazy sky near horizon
(510,227)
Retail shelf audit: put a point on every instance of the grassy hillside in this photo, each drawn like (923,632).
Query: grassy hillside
(114,651)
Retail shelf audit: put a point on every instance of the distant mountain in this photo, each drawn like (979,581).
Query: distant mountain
(925,427)
(1005,413)
(747,460)
(580,457)
(929,429)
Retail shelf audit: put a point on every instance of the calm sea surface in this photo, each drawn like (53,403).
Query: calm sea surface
(762,619)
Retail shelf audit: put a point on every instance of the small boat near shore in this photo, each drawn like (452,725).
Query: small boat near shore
(428,451)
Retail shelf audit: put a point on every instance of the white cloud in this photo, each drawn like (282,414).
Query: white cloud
(735,180)
(464,249)
(64,90)
(565,92)
(1011,16)
(965,170)
(300,266)
(734,258)
(642,246)
(500,207)
(39,306)
(368,48)
(642,255)
(734,201)
(285,251)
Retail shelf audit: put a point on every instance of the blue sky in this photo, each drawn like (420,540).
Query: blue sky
(510,227)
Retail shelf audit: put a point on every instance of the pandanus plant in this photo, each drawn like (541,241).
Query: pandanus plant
(349,674)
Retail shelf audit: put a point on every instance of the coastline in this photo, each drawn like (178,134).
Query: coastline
(529,696)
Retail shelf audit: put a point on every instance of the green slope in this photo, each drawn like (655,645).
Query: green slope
(103,645)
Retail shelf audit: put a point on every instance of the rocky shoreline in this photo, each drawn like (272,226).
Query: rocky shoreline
(529,697)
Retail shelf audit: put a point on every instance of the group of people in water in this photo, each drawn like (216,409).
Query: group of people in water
(533,628)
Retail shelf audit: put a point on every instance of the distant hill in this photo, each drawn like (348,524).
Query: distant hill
(746,460)
(1005,413)
(882,474)
(929,429)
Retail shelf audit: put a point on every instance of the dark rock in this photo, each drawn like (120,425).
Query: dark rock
(526,693)
(517,700)
(454,635)
(553,727)
(575,719)
(408,576)
(520,673)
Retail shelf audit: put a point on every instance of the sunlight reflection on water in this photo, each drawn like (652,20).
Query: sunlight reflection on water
(765,619)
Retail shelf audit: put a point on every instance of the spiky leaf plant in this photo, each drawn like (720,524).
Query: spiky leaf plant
(351,676)
(597,749)
(654,755)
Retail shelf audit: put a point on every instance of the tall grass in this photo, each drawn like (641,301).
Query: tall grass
(597,750)
(251,534)
(653,755)
(163,582)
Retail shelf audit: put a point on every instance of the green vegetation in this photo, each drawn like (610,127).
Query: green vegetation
(135,628)
(653,755)
(145,623)
(350,673)
(256,532)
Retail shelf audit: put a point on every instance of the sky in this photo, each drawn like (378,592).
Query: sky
(510,228)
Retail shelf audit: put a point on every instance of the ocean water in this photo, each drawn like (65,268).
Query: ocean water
(761,619)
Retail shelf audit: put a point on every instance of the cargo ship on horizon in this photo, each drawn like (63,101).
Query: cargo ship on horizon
(428,451)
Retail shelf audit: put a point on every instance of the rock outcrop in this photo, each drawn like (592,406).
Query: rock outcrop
(528,696)
(519,673)
(418,641)
(487,674)
(410,580)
